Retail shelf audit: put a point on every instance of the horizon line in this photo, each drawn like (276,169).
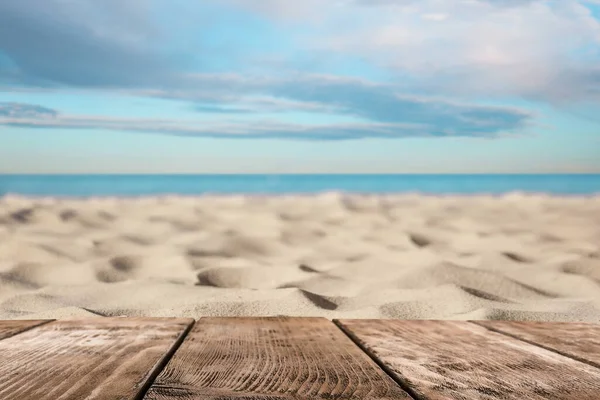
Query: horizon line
(2,174)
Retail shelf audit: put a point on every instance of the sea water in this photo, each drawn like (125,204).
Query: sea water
(139,185)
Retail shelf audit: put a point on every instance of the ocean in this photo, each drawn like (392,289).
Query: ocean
(139,185)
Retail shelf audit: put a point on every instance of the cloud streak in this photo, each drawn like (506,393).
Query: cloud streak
(34,116)
(362,99)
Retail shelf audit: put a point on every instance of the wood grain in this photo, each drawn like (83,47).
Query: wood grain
(271,358)
(100,358)
(460,360)
(580,341)
(12,327)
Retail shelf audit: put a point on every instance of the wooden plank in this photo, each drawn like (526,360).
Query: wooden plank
(580,341)
(460,360)
(12,327)
(271,358)
(100,358)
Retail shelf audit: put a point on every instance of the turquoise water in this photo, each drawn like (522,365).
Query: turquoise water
(136,185)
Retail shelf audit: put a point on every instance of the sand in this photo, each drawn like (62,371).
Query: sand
(516,257)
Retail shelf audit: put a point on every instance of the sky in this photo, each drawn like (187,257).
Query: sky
(311,86)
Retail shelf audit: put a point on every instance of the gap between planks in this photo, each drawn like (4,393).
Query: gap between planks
(26,325)
(378,361)
(482,324)
(406,347)
(162,363)
(137,355)
(406,387)
(534,343)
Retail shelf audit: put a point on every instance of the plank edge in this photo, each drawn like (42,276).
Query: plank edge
(394,376)
(531,342)
(161,364)
(29,328)
(177,390)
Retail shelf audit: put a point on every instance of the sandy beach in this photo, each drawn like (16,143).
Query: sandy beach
(519,257)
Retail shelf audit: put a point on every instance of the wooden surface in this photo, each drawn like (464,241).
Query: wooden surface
(271,358)
(12,327)
(87,359)
(576,340)
(297,358)
(461,360)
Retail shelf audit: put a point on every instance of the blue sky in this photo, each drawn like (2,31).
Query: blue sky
(317,86)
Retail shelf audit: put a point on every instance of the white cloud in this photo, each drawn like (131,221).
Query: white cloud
(288,9)
(531,48)
(435,17)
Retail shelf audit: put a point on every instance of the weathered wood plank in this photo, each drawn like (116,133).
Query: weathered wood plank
(460,360)
(271,358)
(580,341)
(12,327)
(101,358)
